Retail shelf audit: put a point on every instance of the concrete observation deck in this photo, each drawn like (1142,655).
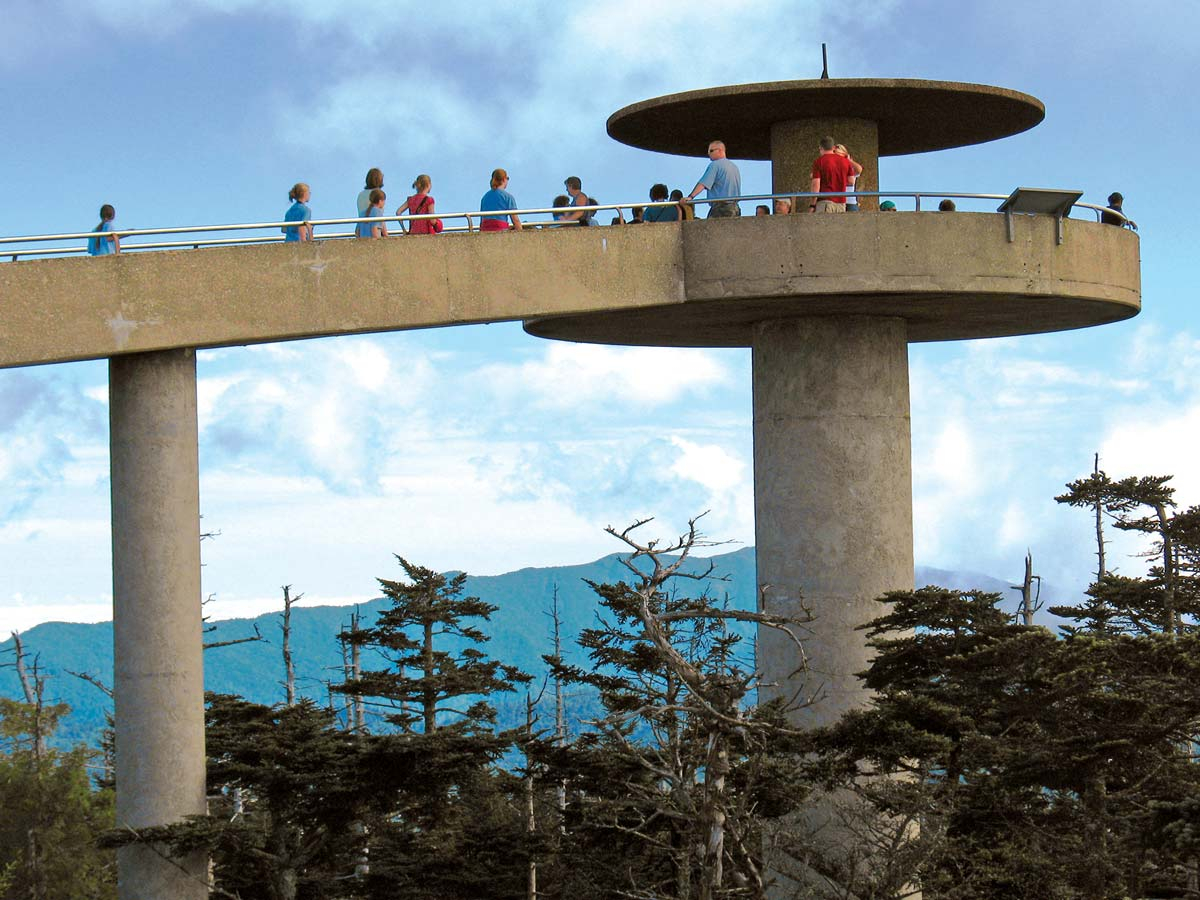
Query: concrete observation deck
(696,283)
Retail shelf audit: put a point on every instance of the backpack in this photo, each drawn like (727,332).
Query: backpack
(423,226)
(588,217)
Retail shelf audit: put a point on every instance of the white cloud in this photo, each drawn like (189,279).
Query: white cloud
(18,616)
(708,464)
(569,376)
(1161,441)
(209,392)
(367,363)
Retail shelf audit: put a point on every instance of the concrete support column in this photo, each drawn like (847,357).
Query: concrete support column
(832,494)
(158,678)
(795,144)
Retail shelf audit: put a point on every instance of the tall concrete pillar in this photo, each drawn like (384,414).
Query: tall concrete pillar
(832,495)
(158,682)
(795,144)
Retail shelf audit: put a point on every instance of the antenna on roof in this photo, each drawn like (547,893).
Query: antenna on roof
(824,62)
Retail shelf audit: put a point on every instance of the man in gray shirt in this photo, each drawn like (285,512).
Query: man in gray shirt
(721,179)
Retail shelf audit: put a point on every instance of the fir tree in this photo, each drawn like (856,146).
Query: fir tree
(286,786)
(1031,762)
(436,676)
(50,814)
(439,841)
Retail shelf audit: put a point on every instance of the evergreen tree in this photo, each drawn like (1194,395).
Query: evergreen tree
(286,786)
(441,840)
(1031,762)
(50,814)
(1168,599)
(436,676)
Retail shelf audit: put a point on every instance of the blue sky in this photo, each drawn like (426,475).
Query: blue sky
(487,450)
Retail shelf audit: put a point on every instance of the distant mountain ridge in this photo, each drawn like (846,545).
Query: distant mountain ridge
(520,631)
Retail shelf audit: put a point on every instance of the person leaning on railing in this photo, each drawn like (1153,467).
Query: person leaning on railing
(574,187)
(721,179)
(110,244)
(498,199)
(1120,220)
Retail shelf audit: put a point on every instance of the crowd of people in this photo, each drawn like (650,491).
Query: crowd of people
(834,173)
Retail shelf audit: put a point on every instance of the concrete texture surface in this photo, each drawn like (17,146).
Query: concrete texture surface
(832,496)
(699,283)
(65,309)
(913,115)
(950,276)
(158,684)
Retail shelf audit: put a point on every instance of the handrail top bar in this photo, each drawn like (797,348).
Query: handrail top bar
(479,214)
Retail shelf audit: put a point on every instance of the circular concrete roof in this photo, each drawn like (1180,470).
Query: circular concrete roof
(914,116)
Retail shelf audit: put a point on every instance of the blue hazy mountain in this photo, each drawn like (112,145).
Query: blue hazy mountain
(520,630)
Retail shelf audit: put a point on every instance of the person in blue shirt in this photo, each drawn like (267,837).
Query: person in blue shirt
(658,194)
(104,246)
(720,179)
(298,212)
(498,199)
(374,210)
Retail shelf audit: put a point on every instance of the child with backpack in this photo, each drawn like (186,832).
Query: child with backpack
(421,204)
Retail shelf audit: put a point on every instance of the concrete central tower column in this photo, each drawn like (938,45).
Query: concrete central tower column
(795,143)
(832,495)
(158,684)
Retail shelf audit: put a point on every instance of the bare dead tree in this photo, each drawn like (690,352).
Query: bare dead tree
(1098,508)
(357,702)
(257,636)
(33,686)
(531,703)
(94,681)
(209,629)
(289,667)
(1031,597)
(560,723)
(347,701)
(713,698)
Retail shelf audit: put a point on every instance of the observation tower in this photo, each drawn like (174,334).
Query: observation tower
(828,304)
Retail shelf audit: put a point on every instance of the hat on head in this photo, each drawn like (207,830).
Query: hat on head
(887,205)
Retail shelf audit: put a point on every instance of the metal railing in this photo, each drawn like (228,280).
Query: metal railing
(471,222)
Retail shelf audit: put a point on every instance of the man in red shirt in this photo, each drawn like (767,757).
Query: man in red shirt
(829,174)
